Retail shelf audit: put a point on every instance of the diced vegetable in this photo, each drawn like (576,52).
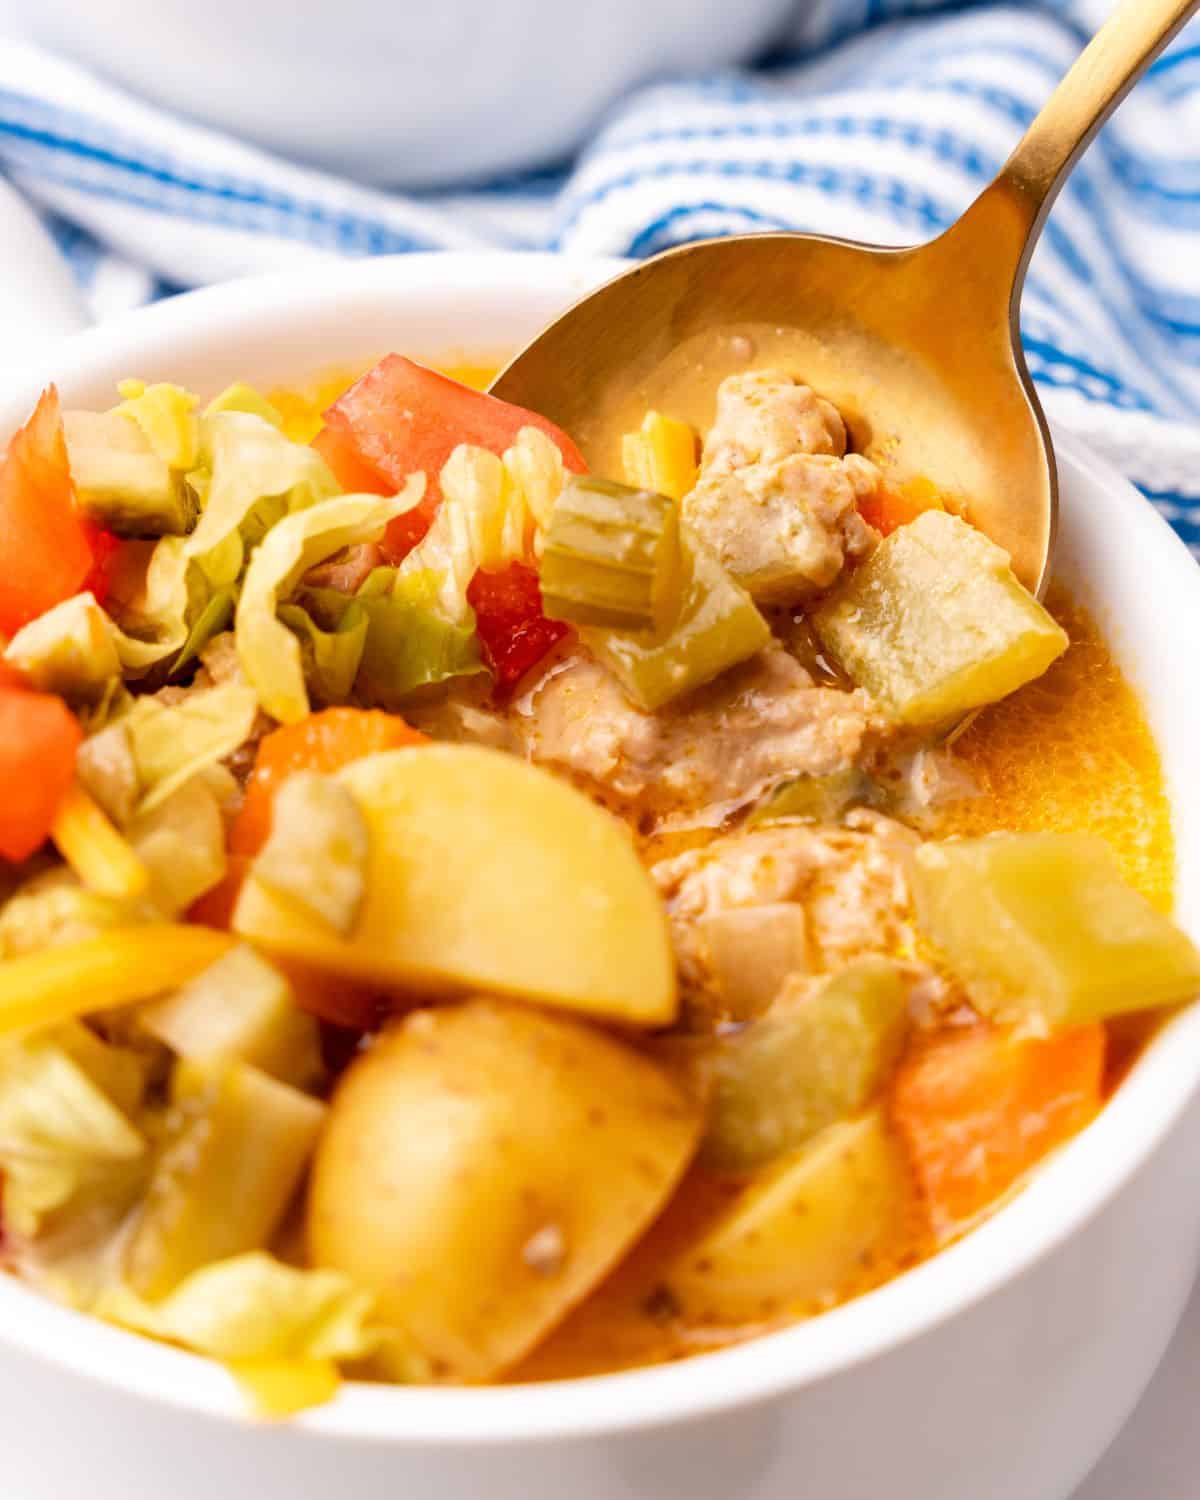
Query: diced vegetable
(280,1388)
(240,1008)
(887,508)
(506,1159)
(718,626)
(1042,926)
(224,1181)
(752,951)
(661,456)
(166,416)
(44,539)
(59,1128)
(70,650)
(172,742)
(816,1226)
(268,651)
(316,856)
(401,419)
(323,742)
(612,557)
(39,739)
(103,860)
(156,605)
(553,905)
(215,907)
(978,1109)
(53,910)
(181,842)
(330,659)
(121,483)
(252,1306)
(242,397)
(935,623)
(513,629)
(118,968)
(814,1061)
(409,643)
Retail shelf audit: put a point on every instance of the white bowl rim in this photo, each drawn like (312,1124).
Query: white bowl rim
(1068,1192)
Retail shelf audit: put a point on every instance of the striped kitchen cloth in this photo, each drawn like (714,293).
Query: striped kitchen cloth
(876,119)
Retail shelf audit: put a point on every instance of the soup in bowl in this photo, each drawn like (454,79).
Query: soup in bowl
(478,922)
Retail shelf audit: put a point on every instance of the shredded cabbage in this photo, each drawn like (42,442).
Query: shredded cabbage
(170,743)
(330,657)
(410,643)
(152,622)
(252,1306)
(70,650)
(493,511)
(181,841)
(55,909)
(242,397)
(269,653)
(166,416)
(255,477)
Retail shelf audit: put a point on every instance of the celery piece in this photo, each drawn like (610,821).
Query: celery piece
(814,1227)
(121,482)
(718,626)
(798,1069)
(935,623)
(226,1175)
(1041,926)
(661,455)
(240,1008)
(316,856)
(612,556)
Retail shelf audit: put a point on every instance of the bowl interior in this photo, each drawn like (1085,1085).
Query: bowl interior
(1114,552)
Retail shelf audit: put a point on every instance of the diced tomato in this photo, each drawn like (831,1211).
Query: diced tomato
(104,546)
(215,907)
(39,738)
(338,449)
(402,418)
(977,1109)
(332,998)
(513,629)
(322,742)
(44,540)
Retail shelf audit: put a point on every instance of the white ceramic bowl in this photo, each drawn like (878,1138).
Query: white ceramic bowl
(393,92)
(997,1371)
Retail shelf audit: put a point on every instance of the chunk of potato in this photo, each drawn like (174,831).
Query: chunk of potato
(812,1228)
(484,1166)
(935,623)
(1042,925)
(487,874)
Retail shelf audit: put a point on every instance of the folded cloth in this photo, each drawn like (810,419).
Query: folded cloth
(878,120)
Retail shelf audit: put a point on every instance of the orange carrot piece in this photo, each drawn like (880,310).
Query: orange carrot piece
(39,737)
(977,1109)
(323,742)
(889,508)
(215,907)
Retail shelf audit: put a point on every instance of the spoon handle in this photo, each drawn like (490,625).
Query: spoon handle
(1013,209)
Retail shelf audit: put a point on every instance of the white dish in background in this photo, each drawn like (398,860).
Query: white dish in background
(406,94)
(999,1370)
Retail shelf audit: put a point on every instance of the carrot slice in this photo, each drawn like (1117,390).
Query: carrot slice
(977,1109)
(322,742)
(889,508)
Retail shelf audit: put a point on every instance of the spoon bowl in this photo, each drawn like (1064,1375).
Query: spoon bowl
(919,347)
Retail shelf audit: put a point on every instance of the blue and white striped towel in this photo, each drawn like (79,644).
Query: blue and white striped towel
(880,121)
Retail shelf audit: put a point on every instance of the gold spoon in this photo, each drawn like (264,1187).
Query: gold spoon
(919,346)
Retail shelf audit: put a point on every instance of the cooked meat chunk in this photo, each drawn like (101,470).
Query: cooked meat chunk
(851,882)
(777,498)
(721,746)
(347,570)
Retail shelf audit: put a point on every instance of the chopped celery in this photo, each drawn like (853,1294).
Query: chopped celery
(752,951)
(1042,926)
(815,1226)
(166,416)
(935,623)
(226,1177)
(70,650)
(119,967)
(103,860)
(181,842)
(798,1069)
(240,1008)
(612,556)
(661,456)
(252,1306)
(330,658)
(121,482)
(316,855)
(717,627)
(819,798)
(242,397)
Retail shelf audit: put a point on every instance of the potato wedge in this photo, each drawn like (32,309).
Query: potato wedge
(487,874)
(812,1228)
(484,1165)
